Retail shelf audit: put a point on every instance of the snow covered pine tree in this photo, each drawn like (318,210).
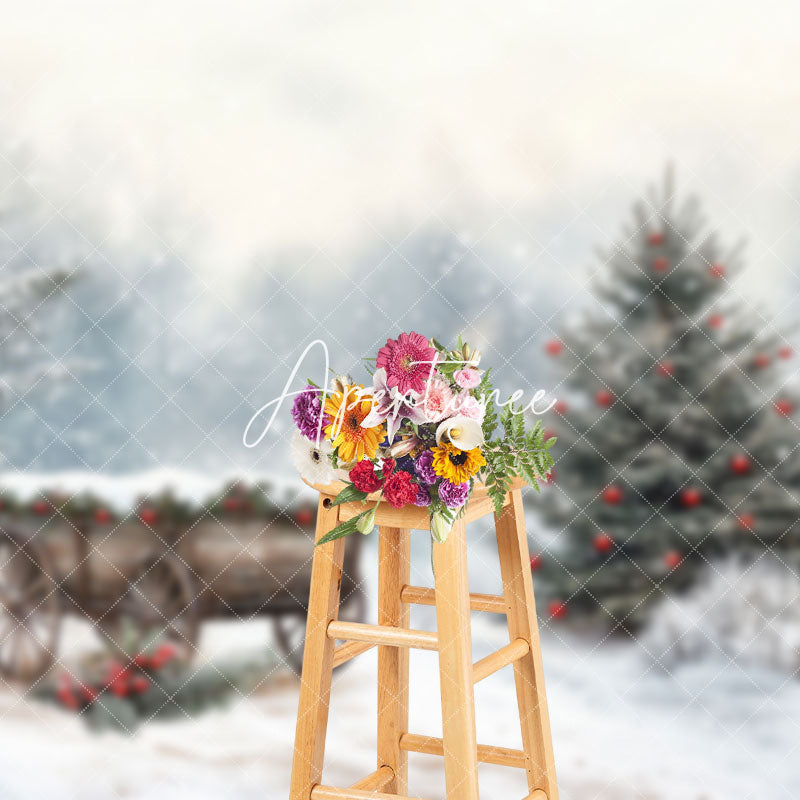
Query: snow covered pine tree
(677,441)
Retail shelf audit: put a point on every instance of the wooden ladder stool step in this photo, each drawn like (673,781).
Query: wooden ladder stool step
(394,638)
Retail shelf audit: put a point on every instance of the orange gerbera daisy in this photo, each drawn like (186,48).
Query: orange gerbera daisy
(347,409)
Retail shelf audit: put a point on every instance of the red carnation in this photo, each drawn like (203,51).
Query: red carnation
(364,478)
(399,490)
(388,467)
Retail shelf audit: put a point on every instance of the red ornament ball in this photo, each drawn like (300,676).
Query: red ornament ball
(604,398)
(665,369)
(102,515)
(786,352)
(232,503)
(304,517)
(554,347)
(717,271)
(740,464)
(603,543)
(716,321)
(762,360)
(691,497)
(655,238)
(557,609)
(746,520)
(536,562)
(612,495)
(148,516)
(784,407)
(560,407)
(660,264)
(673,559)
(41,507)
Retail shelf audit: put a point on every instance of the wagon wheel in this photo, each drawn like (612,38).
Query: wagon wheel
(158,606)
(30,613)
(290,627)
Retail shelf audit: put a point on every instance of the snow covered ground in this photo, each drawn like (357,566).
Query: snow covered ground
(709,730)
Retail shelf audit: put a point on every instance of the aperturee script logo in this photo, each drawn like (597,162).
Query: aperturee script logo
(430,426)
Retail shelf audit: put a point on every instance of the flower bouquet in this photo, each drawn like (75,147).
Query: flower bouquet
(427,429)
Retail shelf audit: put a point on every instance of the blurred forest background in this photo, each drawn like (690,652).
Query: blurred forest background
(603,200)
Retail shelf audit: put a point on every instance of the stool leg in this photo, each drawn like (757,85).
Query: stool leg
(512,545)
(393,574)
(455,665)
(315,685)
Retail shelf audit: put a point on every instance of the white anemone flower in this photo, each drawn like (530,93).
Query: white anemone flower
(463,432)
(312,462)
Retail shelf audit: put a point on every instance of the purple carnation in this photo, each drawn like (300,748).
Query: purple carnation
(423,498)
(423,466)
(454,495)
(306,411)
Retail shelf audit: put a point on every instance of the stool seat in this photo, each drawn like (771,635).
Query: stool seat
(412,517)
(452,640)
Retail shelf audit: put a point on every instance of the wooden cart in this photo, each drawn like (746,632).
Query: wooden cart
(127,576)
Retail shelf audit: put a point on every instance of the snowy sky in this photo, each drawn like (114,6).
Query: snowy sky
(295,122)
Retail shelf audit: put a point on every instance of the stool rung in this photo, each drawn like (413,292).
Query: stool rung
(331,793)
(504,756)
(375,781)
(477,602)
(512,652)
(383,634)
(344,652)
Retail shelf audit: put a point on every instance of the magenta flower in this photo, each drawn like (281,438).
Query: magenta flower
(307,410)
(408,362)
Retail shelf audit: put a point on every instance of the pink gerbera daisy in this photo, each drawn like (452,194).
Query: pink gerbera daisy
(407,360)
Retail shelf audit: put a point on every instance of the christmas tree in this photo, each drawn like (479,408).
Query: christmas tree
(676,436)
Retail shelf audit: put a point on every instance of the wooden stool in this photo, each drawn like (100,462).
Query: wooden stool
(453,642)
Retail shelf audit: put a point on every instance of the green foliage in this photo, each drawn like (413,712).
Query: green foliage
(519,453)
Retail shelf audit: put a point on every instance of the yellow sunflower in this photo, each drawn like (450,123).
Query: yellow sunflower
(346,410)
(457,466)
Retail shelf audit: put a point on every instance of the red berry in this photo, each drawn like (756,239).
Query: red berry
(604,398)
(546,434)
(536,562)
(717,271)
(304,517)
(67,698)
(655,238)
(41,507)
(762,360)
(603,543)
(557,609)
(140,684)
(554,347)
(784,407)
(612,495)
(746,520)
(673,559)
(560,407)
(740,464)
(164,654)
(660,264)
(786,352)
(716,321)
(691,497)
(665,369)
(143,661)
(550,478)
(102,515)
(148,516)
